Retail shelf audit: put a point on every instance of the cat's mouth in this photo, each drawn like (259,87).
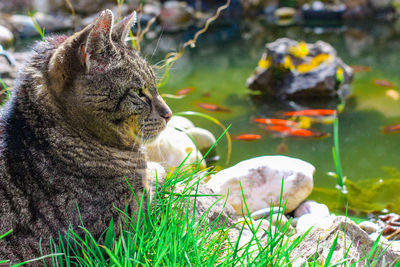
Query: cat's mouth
(143,134)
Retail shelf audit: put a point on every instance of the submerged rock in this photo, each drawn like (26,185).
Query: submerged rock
(289,69)
(261,180)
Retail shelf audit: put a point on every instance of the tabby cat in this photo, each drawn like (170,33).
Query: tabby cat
(72,133)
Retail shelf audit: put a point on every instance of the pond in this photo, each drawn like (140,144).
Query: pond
(227,55)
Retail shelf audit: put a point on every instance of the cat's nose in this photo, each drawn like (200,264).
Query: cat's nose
(167,115)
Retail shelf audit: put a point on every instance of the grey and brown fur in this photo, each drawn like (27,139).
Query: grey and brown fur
(70,134)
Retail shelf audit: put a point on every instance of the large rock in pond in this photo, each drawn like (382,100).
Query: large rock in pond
(261,180)
(289,69)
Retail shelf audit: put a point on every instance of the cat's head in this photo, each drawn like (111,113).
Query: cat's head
(105,87)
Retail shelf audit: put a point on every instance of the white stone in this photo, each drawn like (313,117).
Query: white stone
(313,207)
(369,227)
(203,138)
(171,148)
(261,180)
(307,221)
(180,122)
(6,35)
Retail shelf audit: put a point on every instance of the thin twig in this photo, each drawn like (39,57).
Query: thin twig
(192,42)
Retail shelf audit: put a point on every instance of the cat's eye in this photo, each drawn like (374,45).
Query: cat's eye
(143,96)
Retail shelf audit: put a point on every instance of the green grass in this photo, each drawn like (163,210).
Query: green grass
(169,234)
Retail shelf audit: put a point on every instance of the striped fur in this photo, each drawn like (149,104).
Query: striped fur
(72,131)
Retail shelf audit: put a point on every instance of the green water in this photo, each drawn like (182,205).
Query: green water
(227,55)
(220,69)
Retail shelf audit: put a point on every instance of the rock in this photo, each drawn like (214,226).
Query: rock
(176,16)
(381,4)
(152,9)
(172,147)
(180,122)
(281,222)
(265,213)
(53,23)
(358,244)
(369,227)
(289,70)
(203,138)
(357,9)
(23,27)
(8,72)
(209,203)
(305,222)
(285,12)
(313,207)
(6,36)
(261,180)
(89,6)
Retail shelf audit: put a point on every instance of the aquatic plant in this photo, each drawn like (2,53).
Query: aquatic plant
(336,158)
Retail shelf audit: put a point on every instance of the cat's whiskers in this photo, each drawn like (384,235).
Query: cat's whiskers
(158,42)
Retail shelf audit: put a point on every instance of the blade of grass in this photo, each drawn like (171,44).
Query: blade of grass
(5,234)
(331,250)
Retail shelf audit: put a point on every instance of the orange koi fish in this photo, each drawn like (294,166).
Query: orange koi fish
(247,137)
(361,68)
(213,107)
(185,91)
(384,83)
(391,128)
(295,132)
(275,121)
(311,112)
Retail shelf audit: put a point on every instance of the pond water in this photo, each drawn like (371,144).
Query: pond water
(227,55)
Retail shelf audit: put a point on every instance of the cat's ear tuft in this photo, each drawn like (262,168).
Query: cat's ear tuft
(99,39)
(121,29)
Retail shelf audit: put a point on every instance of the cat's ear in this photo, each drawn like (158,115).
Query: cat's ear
(98,42)
(121,29)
